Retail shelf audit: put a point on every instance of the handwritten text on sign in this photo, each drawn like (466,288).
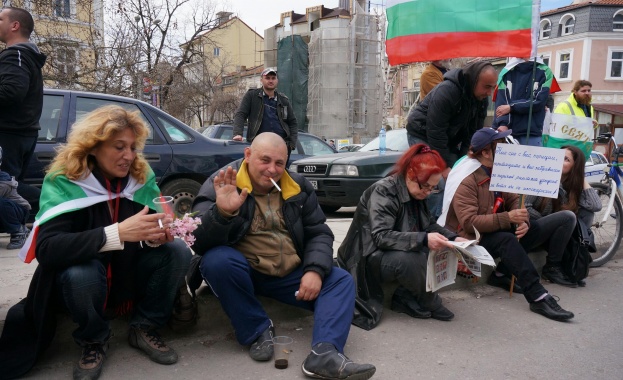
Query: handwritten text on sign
(524,169)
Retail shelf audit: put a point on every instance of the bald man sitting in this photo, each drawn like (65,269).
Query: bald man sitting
(263,233)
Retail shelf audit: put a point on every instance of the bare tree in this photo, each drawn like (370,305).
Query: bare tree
(130,46)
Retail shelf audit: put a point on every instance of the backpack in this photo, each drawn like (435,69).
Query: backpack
(577,258)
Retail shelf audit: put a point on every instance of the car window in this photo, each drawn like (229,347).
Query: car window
(175,133)
(86,105)
(602,159)
(50,117)
(312,146)
(226,133)
(394,140)
(208,131)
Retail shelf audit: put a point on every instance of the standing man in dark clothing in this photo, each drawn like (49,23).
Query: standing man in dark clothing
(513,98)
(21,95)
(266,110)
(449,116)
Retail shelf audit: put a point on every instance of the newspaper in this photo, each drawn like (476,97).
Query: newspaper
(442,265)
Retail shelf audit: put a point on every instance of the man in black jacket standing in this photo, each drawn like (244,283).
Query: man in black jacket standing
(21,95)
(263,233)
(266,110)
(449,116)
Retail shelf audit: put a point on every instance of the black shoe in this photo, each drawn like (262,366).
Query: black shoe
(554,274)
(504,282)
(18,238)
(548,307)
(262,349)
(581,283)
(90,365)
(150,342)
(442,314)
(324,362)
(406,303)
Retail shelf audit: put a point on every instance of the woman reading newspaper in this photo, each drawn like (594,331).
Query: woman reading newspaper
(390,238)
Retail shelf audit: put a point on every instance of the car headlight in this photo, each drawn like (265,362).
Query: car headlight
(293,168)
(344,170)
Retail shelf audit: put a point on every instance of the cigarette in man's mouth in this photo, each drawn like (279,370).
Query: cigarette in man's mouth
(275,183)
(160,224)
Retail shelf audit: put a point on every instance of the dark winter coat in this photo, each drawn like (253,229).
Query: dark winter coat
(450,114)
(304,219)
(519,100)
(252,109)
(21,89)
(381,223)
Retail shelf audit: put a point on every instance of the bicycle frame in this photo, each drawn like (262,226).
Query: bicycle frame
(613,178)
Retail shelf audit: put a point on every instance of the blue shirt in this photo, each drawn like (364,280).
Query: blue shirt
(270,118)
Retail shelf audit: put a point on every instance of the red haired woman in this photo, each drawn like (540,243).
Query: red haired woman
(390,237)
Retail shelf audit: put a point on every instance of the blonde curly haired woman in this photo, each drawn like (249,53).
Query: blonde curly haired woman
(101,252)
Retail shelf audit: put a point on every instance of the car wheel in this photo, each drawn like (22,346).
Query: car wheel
(329,209)
(183,191)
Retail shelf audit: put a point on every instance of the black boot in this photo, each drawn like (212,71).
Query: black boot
(553,273)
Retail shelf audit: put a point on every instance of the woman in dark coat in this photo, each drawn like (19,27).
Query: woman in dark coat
(390,237)
(101,253)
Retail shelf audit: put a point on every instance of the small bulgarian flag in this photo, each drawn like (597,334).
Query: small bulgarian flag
(429,30)
(60,195)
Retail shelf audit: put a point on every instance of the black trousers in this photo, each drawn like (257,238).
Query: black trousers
(515,261)
(16,153)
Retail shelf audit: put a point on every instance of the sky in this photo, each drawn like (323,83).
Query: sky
(262,14)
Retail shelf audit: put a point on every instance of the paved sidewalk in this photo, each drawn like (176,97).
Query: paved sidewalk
(492,337)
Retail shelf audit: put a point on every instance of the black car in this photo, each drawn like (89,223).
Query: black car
(181,158)
(306,146)
(341,179)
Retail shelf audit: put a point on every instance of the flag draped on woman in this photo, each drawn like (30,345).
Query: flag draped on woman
(60,195)
(428,30)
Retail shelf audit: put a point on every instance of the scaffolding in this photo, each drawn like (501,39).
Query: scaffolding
(345,79)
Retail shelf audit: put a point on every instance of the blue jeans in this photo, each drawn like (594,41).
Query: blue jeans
(237,286)
(532,140)
(158,275)
(12,216)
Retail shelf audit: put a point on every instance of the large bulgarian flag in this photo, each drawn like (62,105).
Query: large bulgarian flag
(60,195)
(429,30)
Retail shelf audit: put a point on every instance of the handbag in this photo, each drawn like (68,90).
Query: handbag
(577,258)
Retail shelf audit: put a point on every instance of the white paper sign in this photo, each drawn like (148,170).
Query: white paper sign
(524,169)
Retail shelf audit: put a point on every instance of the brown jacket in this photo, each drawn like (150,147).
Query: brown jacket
(472,207)
(431,77)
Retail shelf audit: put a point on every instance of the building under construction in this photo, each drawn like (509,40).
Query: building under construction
(345,86)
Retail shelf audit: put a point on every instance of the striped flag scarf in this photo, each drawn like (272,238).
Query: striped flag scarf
(60,195)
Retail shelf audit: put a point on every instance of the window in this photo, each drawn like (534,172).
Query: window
(564,65)
(617,22)
(546,29)
(567,22)
(175,133)
(217,51)
(546,57)
(614,68)
(312,146)
(62,8)
(50,117)
(85,105)
(390,97)
(66,58)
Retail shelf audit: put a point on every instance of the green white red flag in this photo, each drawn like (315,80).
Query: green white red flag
(429,30)
(60,195)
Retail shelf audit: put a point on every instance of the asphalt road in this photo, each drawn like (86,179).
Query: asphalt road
(492,336)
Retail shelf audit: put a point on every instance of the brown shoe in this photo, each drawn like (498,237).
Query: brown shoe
(90,365)
(150,342)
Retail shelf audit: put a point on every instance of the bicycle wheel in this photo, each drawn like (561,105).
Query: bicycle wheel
(607,234)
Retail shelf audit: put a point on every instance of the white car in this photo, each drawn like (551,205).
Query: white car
(595,166)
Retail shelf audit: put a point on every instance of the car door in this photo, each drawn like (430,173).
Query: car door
(53,122)
(157,151)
